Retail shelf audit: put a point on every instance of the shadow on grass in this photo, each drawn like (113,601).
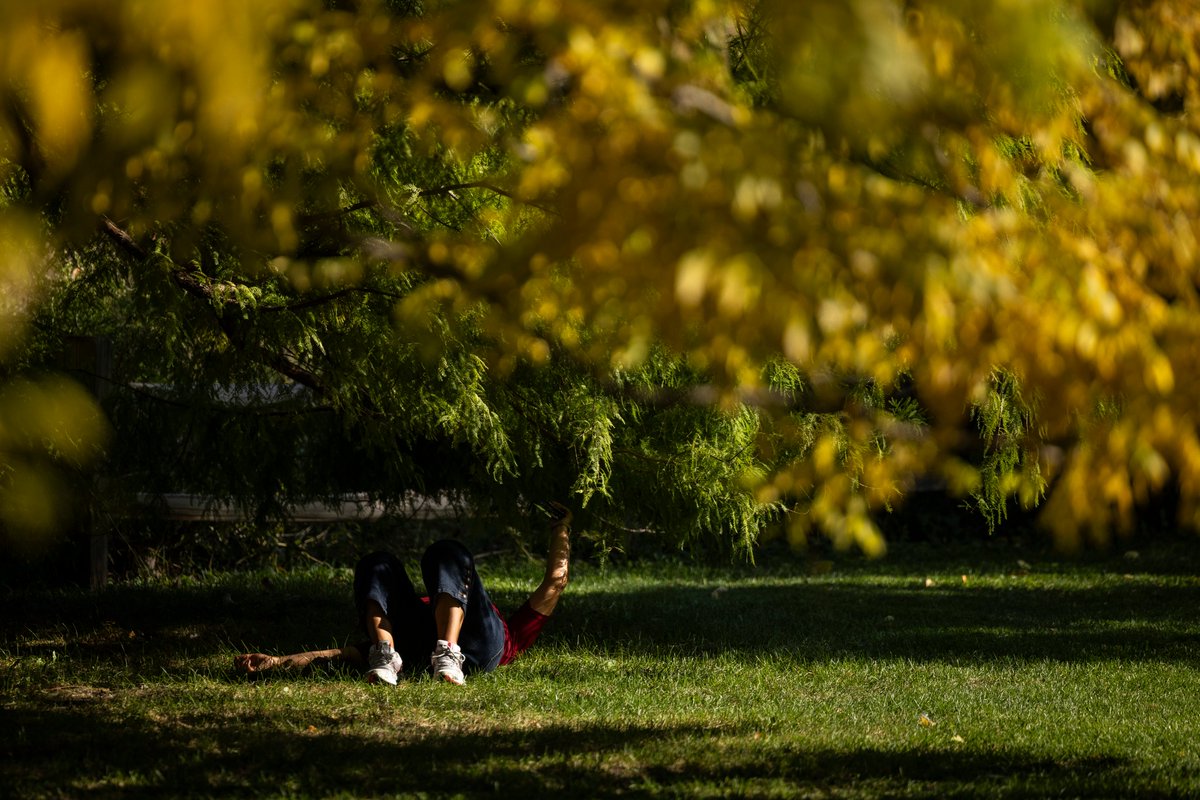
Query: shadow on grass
(72,750)
(147,627)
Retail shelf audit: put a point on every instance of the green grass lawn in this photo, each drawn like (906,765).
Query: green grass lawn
(983,671)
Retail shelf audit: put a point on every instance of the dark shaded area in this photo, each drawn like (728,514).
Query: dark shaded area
(141,625)
(217,757)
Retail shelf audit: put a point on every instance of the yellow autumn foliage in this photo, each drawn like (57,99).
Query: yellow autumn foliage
(920,191)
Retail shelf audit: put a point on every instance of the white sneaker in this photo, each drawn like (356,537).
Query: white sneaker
(384,663)
(447,660)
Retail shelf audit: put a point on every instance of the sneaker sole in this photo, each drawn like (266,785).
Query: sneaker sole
(374,677)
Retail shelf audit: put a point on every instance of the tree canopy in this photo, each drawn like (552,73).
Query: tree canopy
(701,264)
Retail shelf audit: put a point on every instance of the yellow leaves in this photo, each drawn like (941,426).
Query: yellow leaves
(1150,466)
(1187,149)
(1117,466)
(581,45)
(649,63)
(283,223)
(691,277)
(21,251)
(756,194)
(420,112)
(840,314)
(940,312)
(1127,38)
(50,68)
(56,414)
(736,283)
(44,422)
(31,508)
(830,51)
(546,169)
(1160,376)
(335,272)
(739,285)
(458,69)
(615,68)
(1158,43)
(845,519)
(842,516)
(223,42)
(537,12)
(1097,300)
(1136,157)
(923,209)
(797,340)
(61,97)
(825,456)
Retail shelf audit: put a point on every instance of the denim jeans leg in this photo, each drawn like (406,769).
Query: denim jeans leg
(449,568)
(382,578)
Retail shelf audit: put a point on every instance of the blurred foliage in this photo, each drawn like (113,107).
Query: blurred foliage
(696,265)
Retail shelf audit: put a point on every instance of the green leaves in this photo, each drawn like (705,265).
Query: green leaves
(1011,460)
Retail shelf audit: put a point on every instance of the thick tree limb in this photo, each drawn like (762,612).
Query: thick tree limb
(339,212)
(122,239)
(491,187)
(196,284)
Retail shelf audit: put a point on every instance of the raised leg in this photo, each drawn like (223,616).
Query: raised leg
(558,567)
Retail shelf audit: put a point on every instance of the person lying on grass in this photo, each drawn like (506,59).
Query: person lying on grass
(455,629)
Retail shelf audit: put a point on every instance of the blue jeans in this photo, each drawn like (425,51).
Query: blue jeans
(447,567)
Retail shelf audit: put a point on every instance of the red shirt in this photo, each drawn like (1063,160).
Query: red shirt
(520,631)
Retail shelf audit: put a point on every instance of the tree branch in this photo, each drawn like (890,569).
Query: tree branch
(122,239)
(196,284)
(312,302)
(451,188)
(969,194)
(339,212)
